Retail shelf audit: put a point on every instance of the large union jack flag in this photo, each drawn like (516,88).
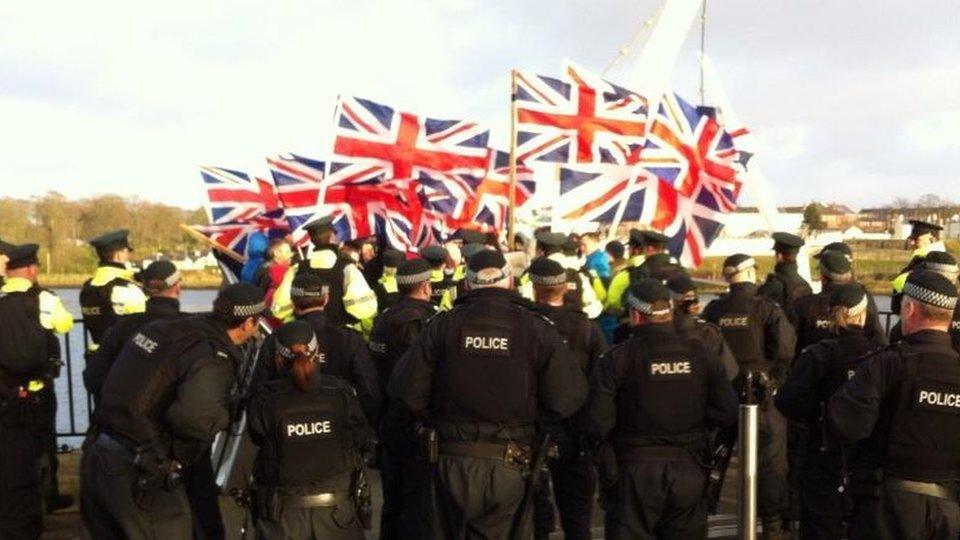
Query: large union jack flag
(235,236)
(298,180)
(392,211)
(579,118)
(236,197)
(488,205)
(376,142)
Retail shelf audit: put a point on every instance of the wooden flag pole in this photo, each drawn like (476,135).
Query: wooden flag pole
(512,220)
(206,240)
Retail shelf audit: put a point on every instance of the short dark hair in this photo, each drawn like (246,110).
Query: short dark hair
(301,303)
(406,288)
(229,321)
(322,236)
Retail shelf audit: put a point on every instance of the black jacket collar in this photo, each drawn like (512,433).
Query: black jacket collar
(159,305)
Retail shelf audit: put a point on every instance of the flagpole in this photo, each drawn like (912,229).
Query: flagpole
(511,221)
(206,240)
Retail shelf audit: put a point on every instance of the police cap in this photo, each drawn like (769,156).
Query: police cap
(544,271)
(931,288)
(435,255)
(158,277)
(471,249)
(112,240)
(469,236)
(737,263)
(308,285)
(22,255)
(319,225)
(392,258)
(784,242)
(296,333)
(486,259)
(851,296)
(940,262)
(572,244)
(655,238)
(637,238)
(240,300)
(681,285)
(836,246)
(919,228)
(834,264)
(413,271)
(551,239)
(645,293)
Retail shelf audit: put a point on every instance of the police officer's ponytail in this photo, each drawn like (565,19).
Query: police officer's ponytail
(298,353)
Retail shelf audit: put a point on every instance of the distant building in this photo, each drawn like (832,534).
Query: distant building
(747,222)
(838,217)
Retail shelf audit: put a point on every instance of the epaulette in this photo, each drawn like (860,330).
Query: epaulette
(543,317)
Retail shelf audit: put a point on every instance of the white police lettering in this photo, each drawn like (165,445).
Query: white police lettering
(823,323)
(940,399)
(955,325)
(850,373)
(145,343)
(305,429)
(486,343)
(670,368)
(737,321)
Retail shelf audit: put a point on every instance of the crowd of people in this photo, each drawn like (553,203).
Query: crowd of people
(493,390)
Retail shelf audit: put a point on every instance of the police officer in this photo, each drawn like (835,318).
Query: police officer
(451,295)
(4,248)
(111,292)
(817,373)
(351,299)
(944,264)
(813,321)
(924,239)
(574,481)
(902,404)
(344,353)
(311,434)
(686,308)
(580,291)
(660,393)
(763,341)
(404,470)
(440,279)
(161,282)
(163,401)
(29,361)
(386,285)
(480,376)
(785,285)
(643,245)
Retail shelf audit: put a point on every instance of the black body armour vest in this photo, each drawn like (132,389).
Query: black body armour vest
(313,442)
(384,347)
(665,396)
(24,342)
(574,295)
(844,354)
(486,371)
(574,328)
(743,330)
(97,307)
(142,383)
(921,434)
(794,287)
(334,309)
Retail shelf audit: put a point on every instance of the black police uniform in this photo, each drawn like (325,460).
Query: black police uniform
(712,338)
(904,400)
(574,480)
(26,348)
(817,373)
(896,332)
(162,402)
(785,286)
(404,470)
(762,340)
(310,447)
(345,355)
(117,335)
(813,323)
(481,375)
(656,395)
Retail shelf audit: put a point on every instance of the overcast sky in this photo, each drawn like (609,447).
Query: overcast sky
(853,101)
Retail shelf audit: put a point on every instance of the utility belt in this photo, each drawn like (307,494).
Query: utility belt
(627,451)
(512,454)
(154,468)
(929,489)
(20,387)
(273,501)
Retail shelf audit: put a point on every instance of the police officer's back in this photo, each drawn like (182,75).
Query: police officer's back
(762,340)
(785,285)
(944,264)
(30,316)
(924,239)
(481,375)
(311,433)
(441,276)
(161,281)
(686,321)
(657,395)
(386,285)
(111,292)
(580,293)
(903,404)
(573,479)
(344,353)
(163,401)
(819,370)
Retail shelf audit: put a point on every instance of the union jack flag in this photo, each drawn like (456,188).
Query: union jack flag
(234,236)
(580,118)
(236,197)
(298,180)
(488,206)
(594,193)
(392,211)
(375,142)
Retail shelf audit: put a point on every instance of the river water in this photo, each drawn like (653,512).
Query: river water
(73,405)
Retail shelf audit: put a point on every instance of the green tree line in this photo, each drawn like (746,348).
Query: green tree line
(62,226)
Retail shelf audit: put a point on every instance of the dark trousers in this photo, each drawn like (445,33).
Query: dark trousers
(798,435)
(407,503)
(21,505)
(823,507)
(662,499)
(574,484)
(204,496)
(612,512)
(897,515)
(772,487)
(110,508)
(476,498)
(336,523)
(47,442)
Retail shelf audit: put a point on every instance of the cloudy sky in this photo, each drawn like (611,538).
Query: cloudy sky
(855,101)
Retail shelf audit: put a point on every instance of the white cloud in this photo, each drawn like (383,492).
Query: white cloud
(936,132)
(782,143)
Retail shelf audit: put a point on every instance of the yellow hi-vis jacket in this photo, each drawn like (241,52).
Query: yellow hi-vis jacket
(358,299)
(613,303)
